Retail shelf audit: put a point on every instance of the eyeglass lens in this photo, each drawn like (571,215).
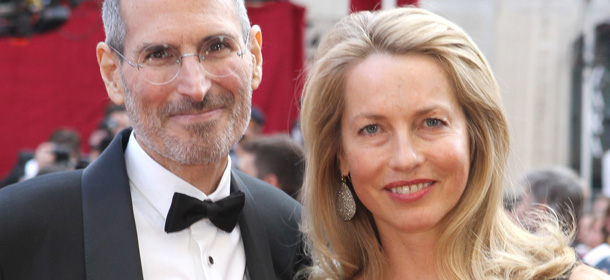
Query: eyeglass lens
(160,64)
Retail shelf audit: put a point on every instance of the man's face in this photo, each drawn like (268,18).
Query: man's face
(196,118)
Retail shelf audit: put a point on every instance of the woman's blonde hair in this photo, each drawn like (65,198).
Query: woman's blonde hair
(479,241)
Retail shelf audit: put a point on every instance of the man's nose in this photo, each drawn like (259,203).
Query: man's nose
(193,80)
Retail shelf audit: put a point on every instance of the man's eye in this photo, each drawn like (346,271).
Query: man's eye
(217,47)
(158,54)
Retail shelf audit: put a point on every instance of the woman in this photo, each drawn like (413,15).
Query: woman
(407,142)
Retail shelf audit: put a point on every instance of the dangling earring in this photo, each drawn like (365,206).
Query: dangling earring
(346,205)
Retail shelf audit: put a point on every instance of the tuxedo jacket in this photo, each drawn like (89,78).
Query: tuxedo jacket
(80,225)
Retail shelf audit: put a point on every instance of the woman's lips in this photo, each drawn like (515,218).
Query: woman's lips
(411,188)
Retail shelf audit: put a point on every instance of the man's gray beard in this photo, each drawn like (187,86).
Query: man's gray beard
(206,147)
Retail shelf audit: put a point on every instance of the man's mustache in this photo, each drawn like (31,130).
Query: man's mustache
(187,106)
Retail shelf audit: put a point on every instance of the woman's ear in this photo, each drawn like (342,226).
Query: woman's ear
(256,44)
(109,69)
(343,166)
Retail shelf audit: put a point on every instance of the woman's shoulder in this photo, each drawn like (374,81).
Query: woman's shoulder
(582,272)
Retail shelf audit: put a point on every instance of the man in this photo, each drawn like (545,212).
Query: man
(278,160)
(185,71)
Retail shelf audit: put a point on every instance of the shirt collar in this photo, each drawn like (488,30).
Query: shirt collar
(158,185)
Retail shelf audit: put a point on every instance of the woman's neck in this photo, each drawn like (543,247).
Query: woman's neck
(410,256)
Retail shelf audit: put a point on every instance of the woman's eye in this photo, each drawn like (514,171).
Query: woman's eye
(432,122)
(370,129)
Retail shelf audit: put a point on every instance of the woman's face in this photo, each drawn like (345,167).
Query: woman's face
(404,142)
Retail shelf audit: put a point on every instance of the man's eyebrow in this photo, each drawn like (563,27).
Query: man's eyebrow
(216,35)
(145,45)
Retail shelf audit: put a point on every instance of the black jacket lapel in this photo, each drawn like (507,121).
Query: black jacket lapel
(256,245)
(111,243)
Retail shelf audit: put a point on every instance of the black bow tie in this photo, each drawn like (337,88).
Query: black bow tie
(186,210)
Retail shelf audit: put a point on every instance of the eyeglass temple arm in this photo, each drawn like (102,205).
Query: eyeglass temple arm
(246,45)
(121,55)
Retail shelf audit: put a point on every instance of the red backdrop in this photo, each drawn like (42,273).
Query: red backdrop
(282,24)
(370,5)
(54,80)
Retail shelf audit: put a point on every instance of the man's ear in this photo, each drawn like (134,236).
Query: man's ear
(256,44)
(109,69)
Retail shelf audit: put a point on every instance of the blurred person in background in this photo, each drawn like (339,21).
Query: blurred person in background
(277,159)
(71,140)
(595,235)
(254,129)
(62,161)
(62,141)
(115,118)
(590,233)
(99,140)
(558,189)
(256,124)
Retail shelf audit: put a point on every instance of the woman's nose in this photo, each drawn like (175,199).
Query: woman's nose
(407,155)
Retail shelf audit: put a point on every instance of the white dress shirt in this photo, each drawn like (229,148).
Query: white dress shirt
(202,251)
